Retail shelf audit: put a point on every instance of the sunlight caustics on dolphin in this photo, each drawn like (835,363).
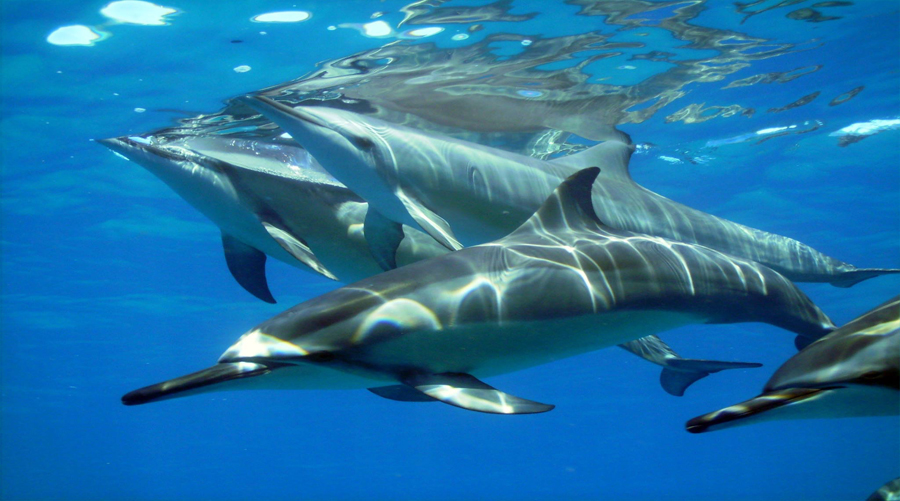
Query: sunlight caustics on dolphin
(245,185)
(463,193)
(852,372)
(429,330)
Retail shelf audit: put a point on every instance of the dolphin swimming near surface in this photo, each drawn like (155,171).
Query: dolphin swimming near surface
(854,371)
(463,193)
(561,284)
(270,199)
(242,185)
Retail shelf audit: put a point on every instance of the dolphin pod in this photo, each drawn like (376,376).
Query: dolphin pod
(854,371)
(264,196)
(464,193)
(427,331)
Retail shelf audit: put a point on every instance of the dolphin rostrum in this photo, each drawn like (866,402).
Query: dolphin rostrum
(247,186)
(465,193)
(854,371)
(561,284)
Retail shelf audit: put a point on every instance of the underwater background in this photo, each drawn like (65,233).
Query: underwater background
(784,116)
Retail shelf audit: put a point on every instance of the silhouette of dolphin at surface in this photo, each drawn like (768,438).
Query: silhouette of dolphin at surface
(854,371)
(463,193)
(428,330)
(272,199)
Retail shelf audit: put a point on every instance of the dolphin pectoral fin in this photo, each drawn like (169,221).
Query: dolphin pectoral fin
(851,278)
(401,393)
(248,266)
(297,248)
(430,222)
(467,392)
(752,410)
(194,382)
(682,372)
(384,237)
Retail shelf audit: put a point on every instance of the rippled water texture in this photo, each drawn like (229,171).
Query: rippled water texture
(532,92)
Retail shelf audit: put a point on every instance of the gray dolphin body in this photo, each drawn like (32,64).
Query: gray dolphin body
(266,196)
(465,193)
(270,199)
(854,371)
(560,285)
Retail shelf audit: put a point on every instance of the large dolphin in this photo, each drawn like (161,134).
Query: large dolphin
(854,371)
(561,284)
(465,193)
(250,187)
(269,199)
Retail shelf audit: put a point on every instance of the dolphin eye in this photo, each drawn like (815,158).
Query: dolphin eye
(363,143)
(320,357)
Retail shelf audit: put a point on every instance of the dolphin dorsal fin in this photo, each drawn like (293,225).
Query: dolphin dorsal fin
(611,156)
(569,207)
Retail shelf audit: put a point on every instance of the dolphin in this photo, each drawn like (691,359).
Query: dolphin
(249,188)
(269,199)
(463,193)
(854,371)
(561,284)
(887,492)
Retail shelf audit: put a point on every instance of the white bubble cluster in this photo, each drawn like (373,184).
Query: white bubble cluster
(287,16)
(137,12)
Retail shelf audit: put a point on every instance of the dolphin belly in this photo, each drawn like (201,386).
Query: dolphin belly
(490,349)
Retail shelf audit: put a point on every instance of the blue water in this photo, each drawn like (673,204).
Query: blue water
(111,282)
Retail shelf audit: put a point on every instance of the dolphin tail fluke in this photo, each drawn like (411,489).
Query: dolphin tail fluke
(467,392)
(680,373)
(195,382)
(851,278)
(383,237)
(760,408)
(248,266)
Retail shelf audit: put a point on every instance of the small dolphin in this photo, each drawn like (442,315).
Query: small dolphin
(560,285)
(270,199)
(465,193)
(854,371)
